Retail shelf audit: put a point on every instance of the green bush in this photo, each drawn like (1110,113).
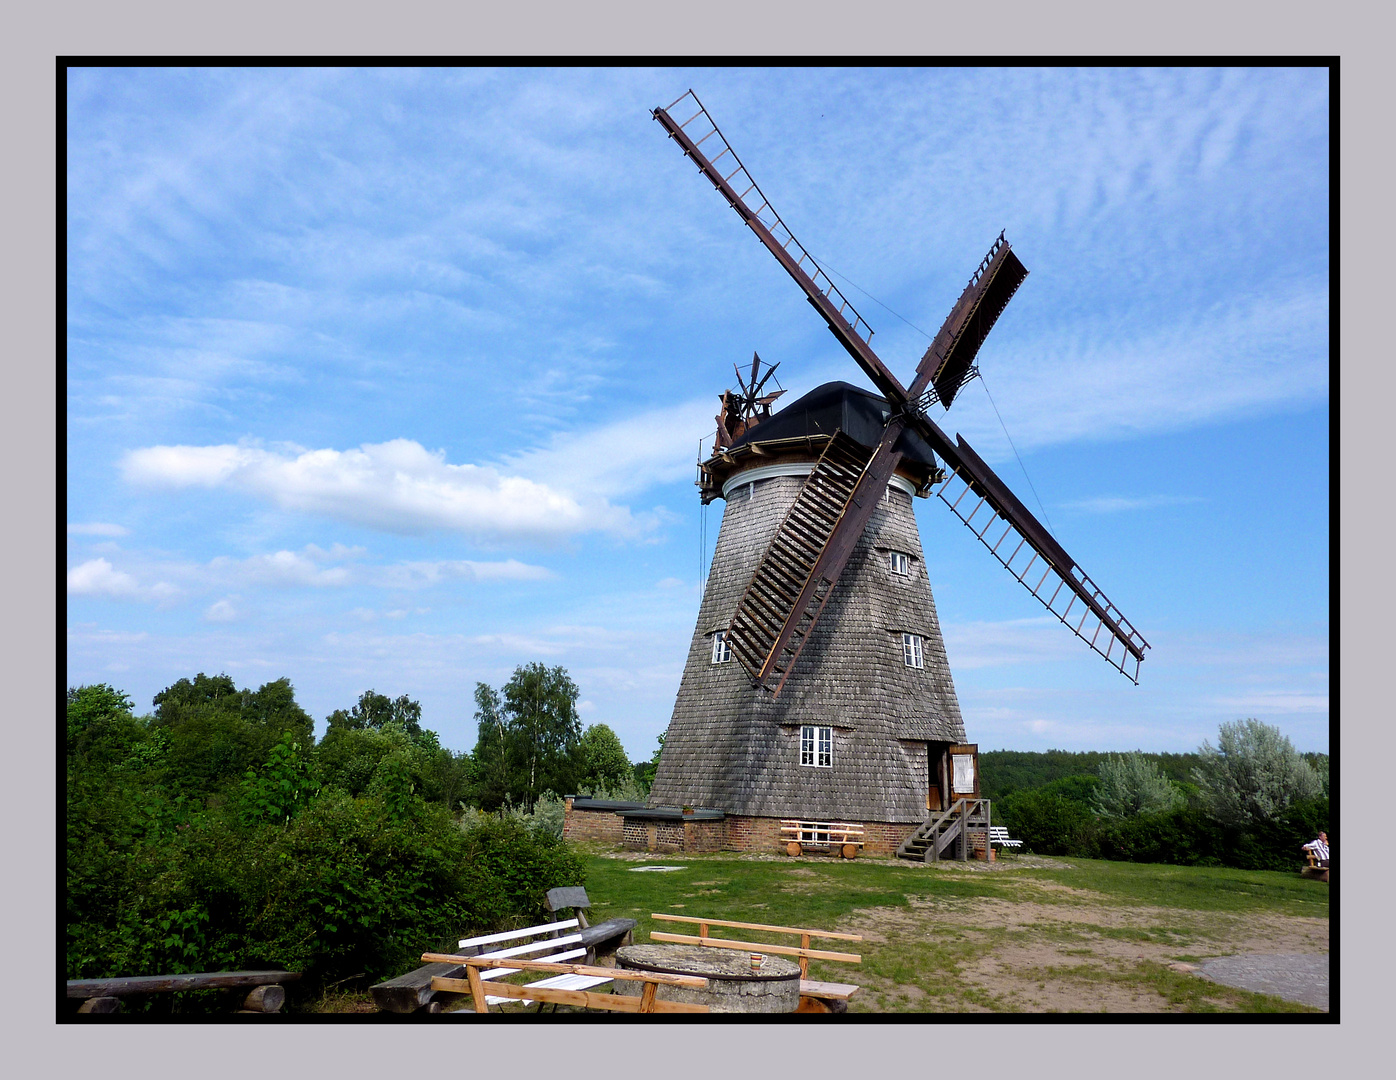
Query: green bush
(1048,822)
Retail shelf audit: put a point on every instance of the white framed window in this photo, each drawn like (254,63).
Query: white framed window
(817,746)
(911,650)
(901,562)
(722,651)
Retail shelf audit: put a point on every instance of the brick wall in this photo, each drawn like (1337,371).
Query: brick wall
(592,825)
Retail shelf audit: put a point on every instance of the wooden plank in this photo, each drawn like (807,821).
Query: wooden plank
(755,946)
(647,997)
(152,984)
(693,982)
(511,935)
(473,984)
(665,917)
(841,991)
(583,998)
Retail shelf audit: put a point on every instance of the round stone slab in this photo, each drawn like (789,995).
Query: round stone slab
(733,985)
(1297,977)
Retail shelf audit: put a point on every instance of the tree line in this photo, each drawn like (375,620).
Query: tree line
(216,832)
(1248,802)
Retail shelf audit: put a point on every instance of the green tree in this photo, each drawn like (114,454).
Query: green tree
(374,710)
(602,761)
(645,770)
(542,708)
(491,767)
(1130,785)
(217,732)
(1252,775)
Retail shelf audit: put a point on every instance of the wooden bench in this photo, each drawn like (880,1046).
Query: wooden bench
(815,996)
(1313,870)
(801,836)
(998,834)
(104,995)
(413,991)
(568,986)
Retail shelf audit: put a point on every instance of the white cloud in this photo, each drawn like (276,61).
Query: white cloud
(96,528)
(397,486)
(626,456)
(1269,702)
(1111,504)
(222,611)
(97,577)
(1014,641)
(1099,381)
(280,568)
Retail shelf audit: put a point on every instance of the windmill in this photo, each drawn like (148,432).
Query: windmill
(838,468)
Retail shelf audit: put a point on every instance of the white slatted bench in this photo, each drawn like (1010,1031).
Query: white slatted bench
(550,949)
(413,991)
(821,836)
(815,996)
(998,834)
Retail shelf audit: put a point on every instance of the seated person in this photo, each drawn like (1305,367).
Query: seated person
(1320,849)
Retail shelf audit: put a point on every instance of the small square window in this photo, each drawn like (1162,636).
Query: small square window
(901,562)
(911,650)
(722,651)
(817,746)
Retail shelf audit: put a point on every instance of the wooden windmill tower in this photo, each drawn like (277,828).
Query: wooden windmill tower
(817,687)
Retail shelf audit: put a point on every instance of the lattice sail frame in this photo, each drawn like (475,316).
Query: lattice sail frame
(743,185)
(957,492)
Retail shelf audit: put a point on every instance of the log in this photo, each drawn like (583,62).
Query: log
(850,851)
(100,1005)
(408,993)
(793,848)
(150,984)
(266,999)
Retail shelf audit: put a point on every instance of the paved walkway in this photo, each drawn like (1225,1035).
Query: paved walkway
(1294,977)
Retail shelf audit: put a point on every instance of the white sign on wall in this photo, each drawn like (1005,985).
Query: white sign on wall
(963,782)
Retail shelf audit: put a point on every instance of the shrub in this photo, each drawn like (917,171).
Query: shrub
(1253,774)
(1131,785)
(1048,822)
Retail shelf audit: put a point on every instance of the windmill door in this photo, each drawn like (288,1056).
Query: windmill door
(964,771)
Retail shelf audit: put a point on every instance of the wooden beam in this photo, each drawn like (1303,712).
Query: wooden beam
(665,917)
(755,946)
(693,982)
(553,996)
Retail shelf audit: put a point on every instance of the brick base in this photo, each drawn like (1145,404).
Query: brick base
(605,825)
(729,834)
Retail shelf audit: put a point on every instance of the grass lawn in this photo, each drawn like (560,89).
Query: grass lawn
(1026,935)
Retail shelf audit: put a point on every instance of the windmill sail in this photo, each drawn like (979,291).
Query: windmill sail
(767,633)
(949,363)
(1033,556)
(700,137)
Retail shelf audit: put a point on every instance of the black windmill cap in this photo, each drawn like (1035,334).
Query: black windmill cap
(860,413)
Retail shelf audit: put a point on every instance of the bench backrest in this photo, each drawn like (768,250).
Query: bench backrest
(569,896)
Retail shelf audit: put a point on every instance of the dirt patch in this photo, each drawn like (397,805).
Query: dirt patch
(1040,954)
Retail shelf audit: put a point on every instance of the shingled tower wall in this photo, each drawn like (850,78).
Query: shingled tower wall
(735,748)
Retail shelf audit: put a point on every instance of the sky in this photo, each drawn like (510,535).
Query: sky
(396,379)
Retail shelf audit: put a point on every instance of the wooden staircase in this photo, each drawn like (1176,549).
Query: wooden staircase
(966,821)
(758,632)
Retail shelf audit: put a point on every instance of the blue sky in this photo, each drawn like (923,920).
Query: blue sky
(396,379)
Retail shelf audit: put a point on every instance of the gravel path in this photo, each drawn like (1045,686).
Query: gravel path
(1294,977)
